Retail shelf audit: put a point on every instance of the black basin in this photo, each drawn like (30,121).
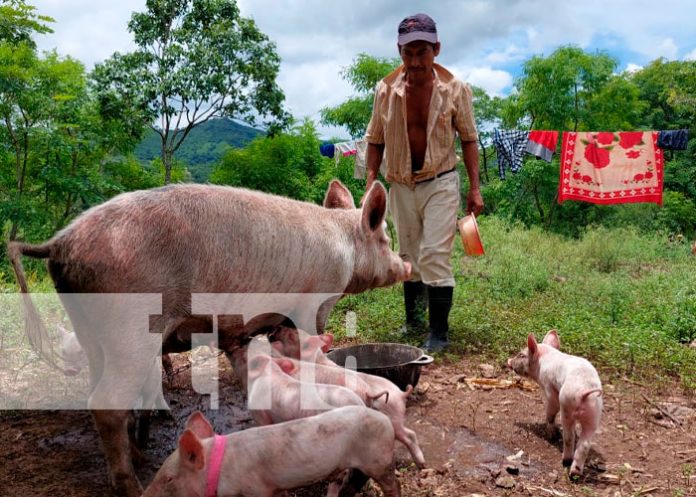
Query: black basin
(395,361)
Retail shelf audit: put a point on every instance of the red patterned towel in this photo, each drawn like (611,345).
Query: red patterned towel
(611,168)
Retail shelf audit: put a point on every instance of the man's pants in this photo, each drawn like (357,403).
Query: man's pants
(426,223)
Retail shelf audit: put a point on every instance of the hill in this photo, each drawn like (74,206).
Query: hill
(203,147)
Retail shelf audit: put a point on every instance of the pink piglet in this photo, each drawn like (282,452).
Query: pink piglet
(569,384)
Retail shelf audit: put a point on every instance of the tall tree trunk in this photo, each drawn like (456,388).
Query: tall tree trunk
(485,160)
(167,157)
(21,160)
(535,192)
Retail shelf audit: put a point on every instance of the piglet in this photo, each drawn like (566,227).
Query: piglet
(74,358)
(299,344)
(375,391)
(569,384)
(260,462)
(274,396)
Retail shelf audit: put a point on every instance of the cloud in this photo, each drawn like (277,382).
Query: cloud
(87,30)
(494,81)
(483,41)
(631,67)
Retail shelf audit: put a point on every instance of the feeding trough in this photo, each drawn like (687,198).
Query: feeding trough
(395,361)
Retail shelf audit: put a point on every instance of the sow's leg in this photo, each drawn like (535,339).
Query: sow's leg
(120,328)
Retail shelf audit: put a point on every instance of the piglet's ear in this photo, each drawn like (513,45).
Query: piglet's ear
(191,451)
(286,365)
(552,339)
(531,345)
(328,339)
(199,425)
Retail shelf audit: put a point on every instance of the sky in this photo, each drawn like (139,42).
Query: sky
(484,42)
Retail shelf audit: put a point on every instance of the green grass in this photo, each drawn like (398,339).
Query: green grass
(624,300)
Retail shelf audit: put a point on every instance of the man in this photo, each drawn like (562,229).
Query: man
(417,110)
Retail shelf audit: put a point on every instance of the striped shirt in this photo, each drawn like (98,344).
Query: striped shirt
(450,110)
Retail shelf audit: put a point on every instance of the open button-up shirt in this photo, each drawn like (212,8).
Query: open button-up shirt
(450,111)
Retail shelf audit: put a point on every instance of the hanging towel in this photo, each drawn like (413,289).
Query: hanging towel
(359,169)
(509,145)
(611,168)
(673,139)
(327,150)
(542,144)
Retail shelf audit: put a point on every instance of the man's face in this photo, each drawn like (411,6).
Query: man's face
(418,57)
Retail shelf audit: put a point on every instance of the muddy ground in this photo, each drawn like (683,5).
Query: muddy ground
(480,437)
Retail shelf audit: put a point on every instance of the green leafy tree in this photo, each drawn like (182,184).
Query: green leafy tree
(554,91)
(363,74)
(19,21)
(195,60)
(669,90)
(34,92)
(284,164)
(487,114)
(58,152)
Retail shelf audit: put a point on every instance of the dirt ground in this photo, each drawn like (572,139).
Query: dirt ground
(480,436)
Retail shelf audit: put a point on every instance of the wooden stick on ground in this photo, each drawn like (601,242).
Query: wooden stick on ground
(662,411)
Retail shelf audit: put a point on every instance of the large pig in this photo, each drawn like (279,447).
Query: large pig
(180,240)
(274,396)
(373,390)
(259,462)
(569,384)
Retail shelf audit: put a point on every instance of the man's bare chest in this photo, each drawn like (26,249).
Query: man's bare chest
(417,106)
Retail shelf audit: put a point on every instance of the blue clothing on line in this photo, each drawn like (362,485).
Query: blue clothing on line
(673,139)
(327,150)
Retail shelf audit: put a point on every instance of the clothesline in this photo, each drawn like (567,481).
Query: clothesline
(597,166)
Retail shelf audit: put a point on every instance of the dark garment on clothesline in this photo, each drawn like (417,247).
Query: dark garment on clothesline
(673,139)
(327,150)
(510,145)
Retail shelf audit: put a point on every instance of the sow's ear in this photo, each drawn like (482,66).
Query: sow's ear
(338,196)
(191,451)
(374,208)
(552,339)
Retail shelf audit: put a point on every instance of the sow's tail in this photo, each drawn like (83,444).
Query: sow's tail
(34,327)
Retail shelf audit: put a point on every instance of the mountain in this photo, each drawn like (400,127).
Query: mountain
(203,147)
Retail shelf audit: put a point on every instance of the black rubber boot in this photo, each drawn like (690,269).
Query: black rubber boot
(415,304)
(439,305)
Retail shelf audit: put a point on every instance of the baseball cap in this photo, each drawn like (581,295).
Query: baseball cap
(417,27)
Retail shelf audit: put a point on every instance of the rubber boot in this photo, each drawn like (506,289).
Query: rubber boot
(439,304)
(414,304)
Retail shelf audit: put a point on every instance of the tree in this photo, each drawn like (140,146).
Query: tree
(284,164)
(196,59)
(668,89)
(32,91)
(363,74)
(58,155)
(553,92)
(18,21)
(487,117)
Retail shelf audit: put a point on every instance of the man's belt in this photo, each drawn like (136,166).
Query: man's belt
(437,176)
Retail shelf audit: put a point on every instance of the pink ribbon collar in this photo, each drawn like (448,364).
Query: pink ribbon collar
(216,455)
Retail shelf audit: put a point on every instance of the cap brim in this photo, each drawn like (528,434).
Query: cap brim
(417,36)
